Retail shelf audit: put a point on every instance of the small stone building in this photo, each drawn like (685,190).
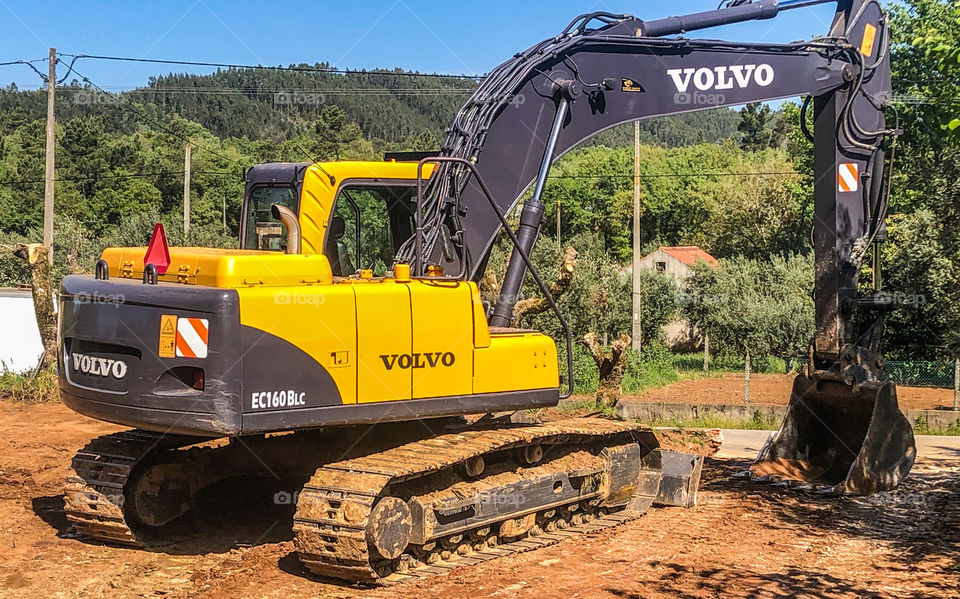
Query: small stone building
(676,262)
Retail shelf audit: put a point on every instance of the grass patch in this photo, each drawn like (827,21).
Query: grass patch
(921,426)
(759,422)
(31,388)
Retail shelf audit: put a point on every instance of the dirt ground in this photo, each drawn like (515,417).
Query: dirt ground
(742,540)
(772,390)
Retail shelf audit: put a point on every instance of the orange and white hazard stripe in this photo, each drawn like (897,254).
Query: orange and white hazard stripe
(848,177)
(192,337)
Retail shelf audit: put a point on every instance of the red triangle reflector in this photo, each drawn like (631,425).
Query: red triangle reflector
(158,253)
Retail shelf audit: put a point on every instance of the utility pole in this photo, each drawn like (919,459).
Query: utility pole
(186,193)
(956,385)
(50,164)
(637,301)
(559,244)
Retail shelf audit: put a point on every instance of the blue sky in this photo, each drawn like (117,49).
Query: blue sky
(429,36)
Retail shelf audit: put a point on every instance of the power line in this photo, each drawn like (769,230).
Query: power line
(369,91)
(677,175)
(150,120)
(28,63)
(196,63)
(127,176)
(10,62)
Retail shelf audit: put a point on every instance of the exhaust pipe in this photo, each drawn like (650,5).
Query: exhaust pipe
(291,223)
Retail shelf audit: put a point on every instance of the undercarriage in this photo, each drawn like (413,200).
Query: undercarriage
(391,502)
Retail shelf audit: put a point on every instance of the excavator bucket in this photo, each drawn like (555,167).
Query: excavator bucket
(840,438)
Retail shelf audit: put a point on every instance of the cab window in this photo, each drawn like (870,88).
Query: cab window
(264,232)
(368,226)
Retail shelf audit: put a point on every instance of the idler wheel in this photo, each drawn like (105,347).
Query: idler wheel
(389,528)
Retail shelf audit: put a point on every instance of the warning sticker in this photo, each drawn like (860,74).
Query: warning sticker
(848,177)
(629,85)
(193,335)
(168,336)
(869,36)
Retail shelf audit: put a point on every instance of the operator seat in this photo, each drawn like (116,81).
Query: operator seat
(336,251)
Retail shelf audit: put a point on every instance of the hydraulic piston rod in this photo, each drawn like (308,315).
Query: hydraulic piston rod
(531,215)
(750,11)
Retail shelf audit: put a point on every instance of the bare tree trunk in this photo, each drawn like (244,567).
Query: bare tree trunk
(611,364)
(536,305)
(489,288)
(36,256)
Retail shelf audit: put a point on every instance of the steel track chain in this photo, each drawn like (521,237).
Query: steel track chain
(334,506)
(94,489)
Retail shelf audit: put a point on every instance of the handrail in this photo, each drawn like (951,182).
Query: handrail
(418,241)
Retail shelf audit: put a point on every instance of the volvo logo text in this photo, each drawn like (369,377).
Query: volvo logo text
(722,78)
(93,366)
(425,360)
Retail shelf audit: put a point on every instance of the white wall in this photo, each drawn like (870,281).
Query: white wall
(675,268)
(20,345)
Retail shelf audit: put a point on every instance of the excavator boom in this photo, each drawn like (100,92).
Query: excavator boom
(604,70)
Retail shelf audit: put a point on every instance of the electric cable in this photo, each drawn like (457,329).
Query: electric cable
(153,121)
(295,69)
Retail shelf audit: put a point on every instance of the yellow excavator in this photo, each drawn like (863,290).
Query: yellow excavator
(346,341)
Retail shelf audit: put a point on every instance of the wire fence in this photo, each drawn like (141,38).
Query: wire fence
(937,375)
(944,374)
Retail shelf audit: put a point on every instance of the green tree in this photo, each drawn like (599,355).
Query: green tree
(599,300)
(338,138)
(761,307)
(425,141)
(755,120)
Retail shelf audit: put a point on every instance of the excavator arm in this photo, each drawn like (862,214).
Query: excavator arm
(604,70)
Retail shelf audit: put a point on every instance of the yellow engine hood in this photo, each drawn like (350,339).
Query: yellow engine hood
(223,268)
